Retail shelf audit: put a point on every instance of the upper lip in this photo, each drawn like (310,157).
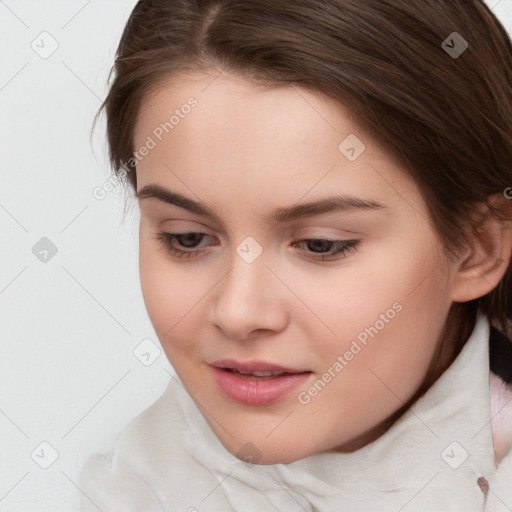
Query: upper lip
(254,366)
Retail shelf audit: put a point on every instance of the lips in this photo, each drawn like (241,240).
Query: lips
(257,383)
(255,367)
(257,391)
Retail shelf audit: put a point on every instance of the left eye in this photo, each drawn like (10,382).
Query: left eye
(324,248)
(343,247)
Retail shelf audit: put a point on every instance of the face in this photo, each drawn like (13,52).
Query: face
(276,236)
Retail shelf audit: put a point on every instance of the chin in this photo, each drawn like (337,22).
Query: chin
(265,453)
(272,458)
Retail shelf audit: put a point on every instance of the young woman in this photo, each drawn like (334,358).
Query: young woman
(325,245)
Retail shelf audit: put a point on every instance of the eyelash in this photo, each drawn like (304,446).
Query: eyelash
(345,247)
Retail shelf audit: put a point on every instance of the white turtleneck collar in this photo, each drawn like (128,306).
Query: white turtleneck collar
(168,459)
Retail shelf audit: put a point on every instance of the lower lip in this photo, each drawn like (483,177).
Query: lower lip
(257,391)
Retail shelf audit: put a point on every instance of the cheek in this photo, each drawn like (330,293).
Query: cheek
(386,314)
(385,277)
(169,296)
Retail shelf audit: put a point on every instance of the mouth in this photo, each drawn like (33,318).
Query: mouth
(255,382)
(262,375)
(254,367)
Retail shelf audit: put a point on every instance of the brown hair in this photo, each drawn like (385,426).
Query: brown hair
(447,118)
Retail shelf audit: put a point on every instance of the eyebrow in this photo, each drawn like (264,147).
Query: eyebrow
(344,203)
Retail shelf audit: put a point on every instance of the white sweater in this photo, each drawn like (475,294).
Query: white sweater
(168,459)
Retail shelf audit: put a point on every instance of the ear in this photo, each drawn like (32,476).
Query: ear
(481,268)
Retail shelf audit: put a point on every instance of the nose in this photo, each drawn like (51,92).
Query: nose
(250,301)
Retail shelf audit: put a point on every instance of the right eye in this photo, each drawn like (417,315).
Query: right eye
(185,239)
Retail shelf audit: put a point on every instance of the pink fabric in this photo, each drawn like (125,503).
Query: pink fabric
(501,414)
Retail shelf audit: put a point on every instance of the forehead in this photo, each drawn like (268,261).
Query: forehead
(228,101)
(281,139)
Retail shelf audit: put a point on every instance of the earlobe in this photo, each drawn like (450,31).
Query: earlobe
(483,266)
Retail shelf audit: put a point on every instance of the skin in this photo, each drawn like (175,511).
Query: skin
(244,151)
